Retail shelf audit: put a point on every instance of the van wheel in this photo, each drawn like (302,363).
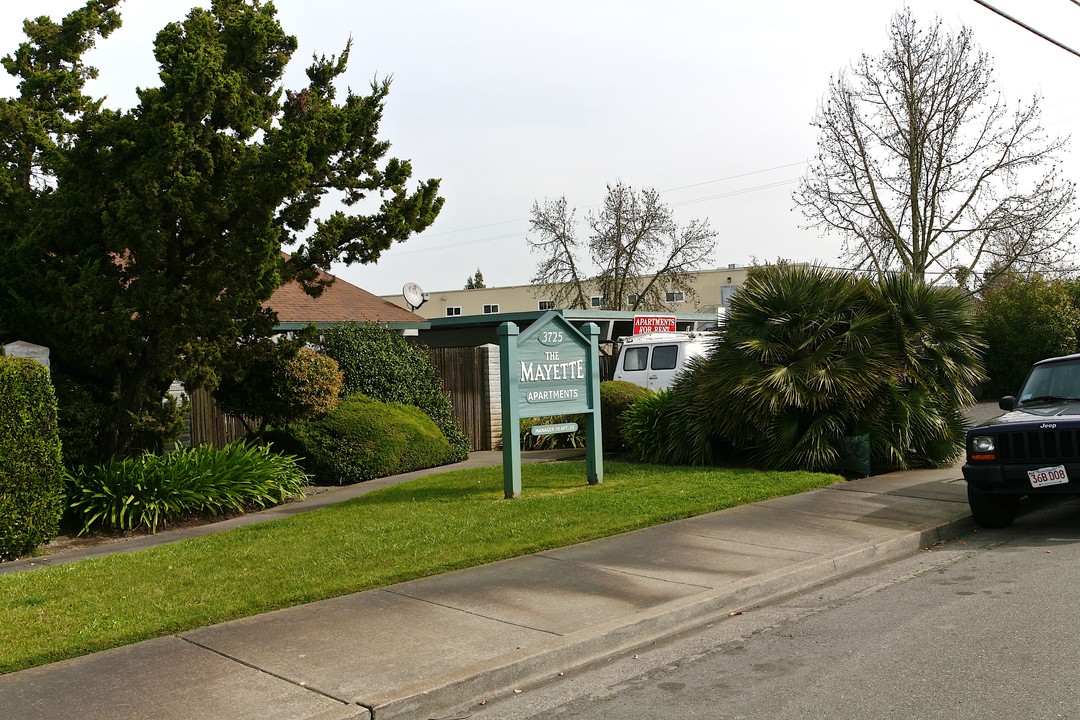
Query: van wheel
(990,510)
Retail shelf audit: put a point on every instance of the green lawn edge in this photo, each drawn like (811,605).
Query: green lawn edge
(423,527)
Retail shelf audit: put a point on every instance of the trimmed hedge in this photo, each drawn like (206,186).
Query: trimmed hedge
(31,469)
(363,439)
(379,363)
(616,396)
(1025,319)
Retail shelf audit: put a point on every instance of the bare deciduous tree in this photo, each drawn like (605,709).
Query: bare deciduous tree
(636,251)
(922,166)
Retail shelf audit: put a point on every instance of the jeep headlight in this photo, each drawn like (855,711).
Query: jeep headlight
(982,444)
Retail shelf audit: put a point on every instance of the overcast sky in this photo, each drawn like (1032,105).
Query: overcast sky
(510,102)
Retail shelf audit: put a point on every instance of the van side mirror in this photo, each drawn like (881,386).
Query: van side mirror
(1007,403)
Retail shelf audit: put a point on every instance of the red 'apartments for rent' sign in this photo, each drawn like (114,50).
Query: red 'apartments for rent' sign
(653,323)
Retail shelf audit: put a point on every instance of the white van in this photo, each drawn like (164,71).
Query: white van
(652,360)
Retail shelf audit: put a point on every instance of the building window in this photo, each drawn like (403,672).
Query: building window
(546,305)
(598,301)
(675,296)
(489,309)
(726,293)
(453,311)
(632,299)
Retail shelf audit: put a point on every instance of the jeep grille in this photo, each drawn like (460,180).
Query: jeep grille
(1038,446)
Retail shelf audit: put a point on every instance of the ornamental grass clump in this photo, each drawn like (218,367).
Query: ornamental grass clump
(152,490)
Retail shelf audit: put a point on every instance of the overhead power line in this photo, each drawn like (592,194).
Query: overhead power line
(742,175)
(460,244)
(735,192)
(681,187)
(1027,27)
(514,235)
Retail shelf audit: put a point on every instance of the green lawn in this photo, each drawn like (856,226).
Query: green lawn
(423,527)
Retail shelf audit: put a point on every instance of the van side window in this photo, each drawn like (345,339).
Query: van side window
(636,358)
(664,357)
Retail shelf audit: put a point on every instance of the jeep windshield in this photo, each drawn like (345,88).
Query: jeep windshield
(1056,382)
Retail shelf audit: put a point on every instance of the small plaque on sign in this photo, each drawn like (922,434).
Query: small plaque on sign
(553,429)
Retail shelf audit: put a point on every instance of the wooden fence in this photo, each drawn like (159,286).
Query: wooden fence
(464,374)
(209,425)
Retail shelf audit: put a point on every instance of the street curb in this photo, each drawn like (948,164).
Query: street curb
(510,671)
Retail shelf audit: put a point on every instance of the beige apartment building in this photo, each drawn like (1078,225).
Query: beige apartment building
(712,289)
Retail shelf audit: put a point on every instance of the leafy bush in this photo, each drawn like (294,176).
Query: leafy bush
(809,357)
(379,363)
(158,426)
(31,471)
(363,439)
(282,384)
(615,397)
(152,490)
(800,355)
(1024,319)
(646,426)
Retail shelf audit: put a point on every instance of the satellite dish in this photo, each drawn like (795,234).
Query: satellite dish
(414,295)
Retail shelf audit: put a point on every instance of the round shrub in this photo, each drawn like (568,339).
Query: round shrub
(615,397)
(31,470)
(363,438)
(381,364)
(281,385)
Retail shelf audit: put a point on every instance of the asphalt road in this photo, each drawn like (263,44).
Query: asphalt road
(986,626)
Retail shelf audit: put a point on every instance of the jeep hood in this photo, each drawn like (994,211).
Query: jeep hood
(1066,411)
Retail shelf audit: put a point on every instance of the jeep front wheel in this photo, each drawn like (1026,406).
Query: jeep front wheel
(990,510)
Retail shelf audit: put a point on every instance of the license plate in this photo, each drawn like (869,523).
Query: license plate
(1042,477)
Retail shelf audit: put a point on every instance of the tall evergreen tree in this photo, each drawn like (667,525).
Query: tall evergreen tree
(140,245)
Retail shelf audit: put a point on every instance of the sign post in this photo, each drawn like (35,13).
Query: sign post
(550,369)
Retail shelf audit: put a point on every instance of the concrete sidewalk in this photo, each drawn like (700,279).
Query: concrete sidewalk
(426,648)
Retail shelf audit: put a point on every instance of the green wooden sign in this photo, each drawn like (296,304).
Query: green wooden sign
(550,369)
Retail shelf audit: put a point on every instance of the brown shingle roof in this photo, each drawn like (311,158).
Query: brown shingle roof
(340,302)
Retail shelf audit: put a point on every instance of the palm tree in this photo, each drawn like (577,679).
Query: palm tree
(938,363)
(797,365)
(810,356)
